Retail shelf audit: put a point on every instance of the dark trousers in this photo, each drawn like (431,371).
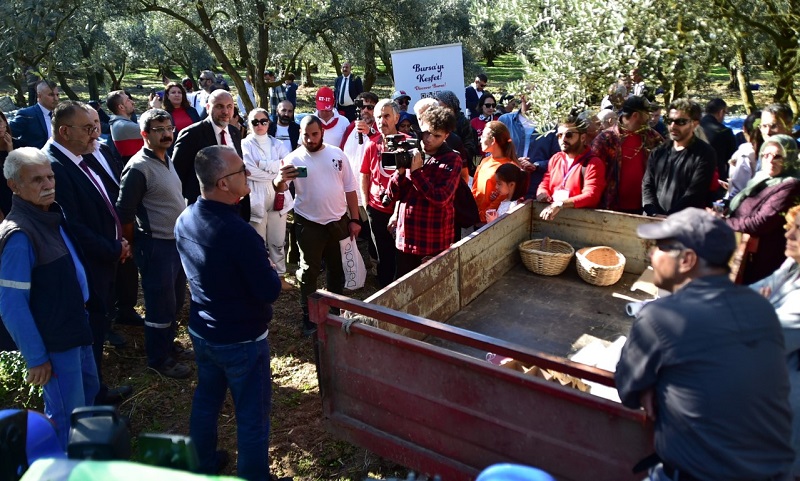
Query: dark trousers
(127,288)
(384,243)
(318,241)
(407,262)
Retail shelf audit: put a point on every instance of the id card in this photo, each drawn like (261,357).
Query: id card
(560,195)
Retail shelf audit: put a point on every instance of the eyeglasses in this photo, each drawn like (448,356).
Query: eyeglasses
(89,129)
(243,170)
(567,134)
(773,158)
(255,122)
(679,122)
(162,130)
(368,107)
(490,106)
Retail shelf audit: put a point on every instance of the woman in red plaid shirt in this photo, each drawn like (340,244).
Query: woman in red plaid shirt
(424,193)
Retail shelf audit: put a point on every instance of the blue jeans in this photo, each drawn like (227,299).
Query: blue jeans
(244,369)
(74,384)
(164,289)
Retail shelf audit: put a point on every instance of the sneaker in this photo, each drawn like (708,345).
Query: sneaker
(285,285)
(174,369)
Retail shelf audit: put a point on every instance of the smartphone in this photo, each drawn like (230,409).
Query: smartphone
(302,171)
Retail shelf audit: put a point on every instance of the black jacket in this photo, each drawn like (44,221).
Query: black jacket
(722,140)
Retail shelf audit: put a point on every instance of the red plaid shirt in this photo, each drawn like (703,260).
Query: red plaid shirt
(425,222)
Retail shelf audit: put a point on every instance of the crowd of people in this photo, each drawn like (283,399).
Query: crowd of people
(197,189)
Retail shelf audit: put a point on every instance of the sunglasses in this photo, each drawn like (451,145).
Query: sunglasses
(402,101)
(255,122)
(368,107)
(567,135)
(490,106)
(678,122)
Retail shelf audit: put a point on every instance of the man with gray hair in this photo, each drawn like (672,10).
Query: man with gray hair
(150,194)
(32,125)
(707,363)
(43,290)
(232,288)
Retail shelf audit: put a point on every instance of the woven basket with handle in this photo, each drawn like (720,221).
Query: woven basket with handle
(600,266)
(547,257)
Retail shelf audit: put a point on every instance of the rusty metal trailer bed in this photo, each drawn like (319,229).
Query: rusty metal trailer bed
(414,388)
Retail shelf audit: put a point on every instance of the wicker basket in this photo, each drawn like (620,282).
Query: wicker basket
(600,266)
(547,257)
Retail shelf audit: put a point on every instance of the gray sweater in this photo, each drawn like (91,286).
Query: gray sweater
(150,193)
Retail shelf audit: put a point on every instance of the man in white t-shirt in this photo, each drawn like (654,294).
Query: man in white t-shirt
(285,129)
(325,209)
(333,124)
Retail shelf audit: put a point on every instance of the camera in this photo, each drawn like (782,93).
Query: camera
(397,152)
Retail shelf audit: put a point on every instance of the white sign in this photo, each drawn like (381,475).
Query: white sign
(426,71)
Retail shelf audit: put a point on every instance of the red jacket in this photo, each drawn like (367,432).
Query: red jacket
(584,192)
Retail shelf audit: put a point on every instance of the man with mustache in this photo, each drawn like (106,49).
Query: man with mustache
(150,193)
(43,288)
(91,215)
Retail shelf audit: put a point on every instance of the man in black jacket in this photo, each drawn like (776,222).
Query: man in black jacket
(679,171)
(720,138)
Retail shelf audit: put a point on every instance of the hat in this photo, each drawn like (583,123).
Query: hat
(325,98)
(398,94)
(636,103)
(709,236)
(405,116)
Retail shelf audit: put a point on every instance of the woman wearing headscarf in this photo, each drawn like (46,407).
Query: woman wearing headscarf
(782,289)
(759,208)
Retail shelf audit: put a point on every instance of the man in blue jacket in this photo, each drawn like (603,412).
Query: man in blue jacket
(233,286)
(534,148)
(43,290)
(31,126)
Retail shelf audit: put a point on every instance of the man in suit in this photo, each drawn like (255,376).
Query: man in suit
(473,93)
(213,130)
(721,138)
(126,292)
(92,217)
(347,88)
(32,125)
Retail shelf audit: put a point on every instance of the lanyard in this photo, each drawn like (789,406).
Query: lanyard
(568,172)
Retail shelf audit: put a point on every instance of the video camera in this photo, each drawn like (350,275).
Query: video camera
(397,151)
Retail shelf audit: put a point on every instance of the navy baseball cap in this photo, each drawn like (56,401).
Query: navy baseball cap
(707,235)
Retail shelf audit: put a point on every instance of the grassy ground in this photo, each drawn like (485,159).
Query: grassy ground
(300,446)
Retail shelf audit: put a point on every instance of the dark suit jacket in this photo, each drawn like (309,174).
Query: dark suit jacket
(294,132)
(29,128)
(472,96)
(89,219)
(355,87)
(110,182)
(722,140)
(189,142)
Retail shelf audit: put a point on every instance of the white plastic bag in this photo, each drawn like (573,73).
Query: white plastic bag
(355,274)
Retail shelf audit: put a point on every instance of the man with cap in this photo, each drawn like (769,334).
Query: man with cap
(679,171)
(333,124)
(707,362)
(402,99)
(624,148)
(347,87)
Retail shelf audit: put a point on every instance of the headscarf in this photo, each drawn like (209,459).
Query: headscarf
(762,180)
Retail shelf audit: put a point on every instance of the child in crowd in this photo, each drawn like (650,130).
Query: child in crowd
(511,183)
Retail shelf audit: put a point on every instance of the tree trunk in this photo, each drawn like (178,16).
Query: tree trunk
(20,87)
(65,88)
(309,82)
(733,78)
(370,69)
(784,70)
(744,81)
(337,66)
(91,81)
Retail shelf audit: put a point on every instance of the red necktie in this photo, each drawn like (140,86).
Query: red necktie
(110,207)
(222,138)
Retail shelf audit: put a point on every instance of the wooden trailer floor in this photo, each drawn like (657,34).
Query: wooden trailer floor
(549,314)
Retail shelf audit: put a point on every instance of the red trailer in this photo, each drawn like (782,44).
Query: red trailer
(411,384)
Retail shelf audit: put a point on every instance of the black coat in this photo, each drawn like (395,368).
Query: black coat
(723,141)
